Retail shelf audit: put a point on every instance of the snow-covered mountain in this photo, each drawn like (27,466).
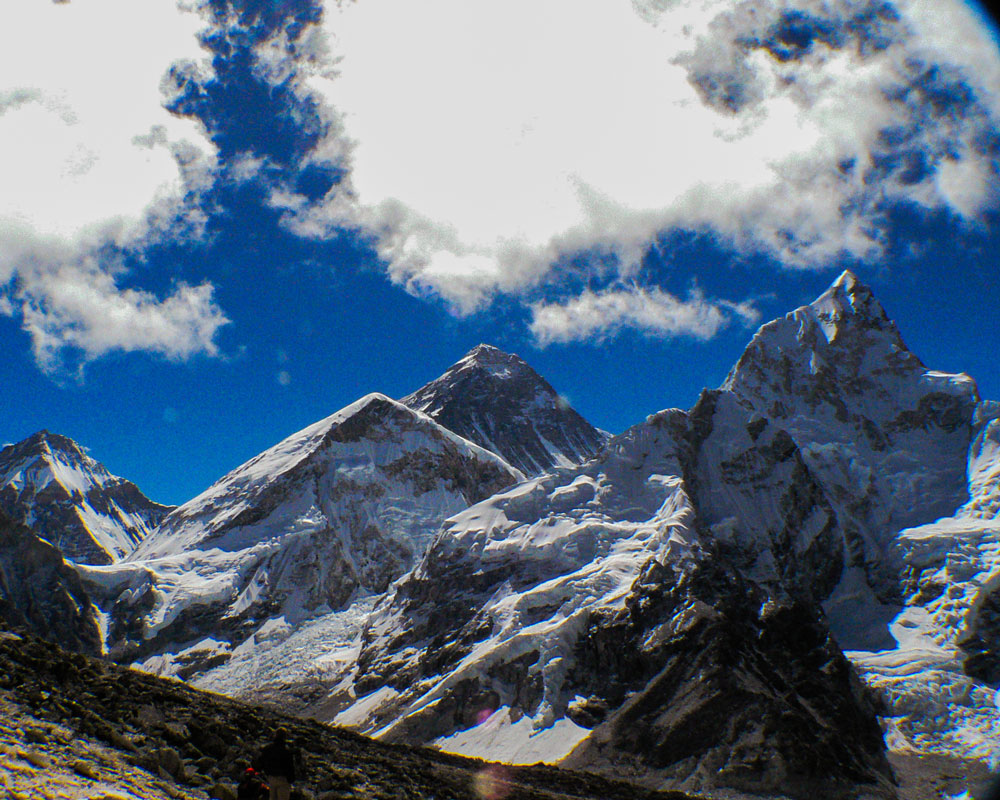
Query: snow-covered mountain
(304,534)
(886,438)
(499,402)
(650,609)
(667,605)
(93,517)
(571,612)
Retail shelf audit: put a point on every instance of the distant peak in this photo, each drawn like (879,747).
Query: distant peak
(848,296)
(370,398)
(54,441)
(487,354)
(847,281)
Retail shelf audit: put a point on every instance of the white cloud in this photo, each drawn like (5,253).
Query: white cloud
(79,305)
(91,159)
(485,140)
(653,312)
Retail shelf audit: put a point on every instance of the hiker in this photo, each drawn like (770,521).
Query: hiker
(277,761)
(252,786)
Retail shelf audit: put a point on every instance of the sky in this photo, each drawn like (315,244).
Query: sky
(223,220)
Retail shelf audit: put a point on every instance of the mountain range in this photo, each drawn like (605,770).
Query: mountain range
(772,592)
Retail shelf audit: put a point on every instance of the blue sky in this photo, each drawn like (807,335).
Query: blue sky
(271,240)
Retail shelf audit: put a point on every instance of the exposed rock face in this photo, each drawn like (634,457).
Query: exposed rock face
(496,400)
(723,684)
(626,608)
(39,591)
(321,521)
(92,516)
(794,480)
(984,463)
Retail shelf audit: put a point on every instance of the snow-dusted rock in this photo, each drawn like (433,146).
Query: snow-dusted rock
(41,592)
(303,532)
(885,437)
(49,483)
(909,459)
(984,463)
(804,477)
(723,685)
(638,611)
(499,402)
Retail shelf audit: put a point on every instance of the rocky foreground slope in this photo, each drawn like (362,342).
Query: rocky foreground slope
(76,727)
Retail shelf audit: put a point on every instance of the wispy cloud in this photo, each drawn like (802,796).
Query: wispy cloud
(93,165)
(80,306)
(653,312)
(484,142)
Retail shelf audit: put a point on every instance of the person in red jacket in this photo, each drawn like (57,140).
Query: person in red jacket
(277,761)
(252,786)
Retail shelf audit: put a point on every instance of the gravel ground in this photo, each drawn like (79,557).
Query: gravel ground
(933,777)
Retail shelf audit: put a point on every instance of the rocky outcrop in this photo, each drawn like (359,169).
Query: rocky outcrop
(41,593)
(496,400)
(48,482)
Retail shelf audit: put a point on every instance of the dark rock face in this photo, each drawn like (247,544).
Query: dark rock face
(92,516)
(714,682)
(40,592)
(759,502)
(981,641)
(496,400)
(74,726)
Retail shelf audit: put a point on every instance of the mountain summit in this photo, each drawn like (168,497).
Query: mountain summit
(886,437)
(48,482)
(295,543)
(498,401)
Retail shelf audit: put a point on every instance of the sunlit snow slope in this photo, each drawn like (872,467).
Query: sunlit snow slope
(49,483)
(940,677)
(298,537)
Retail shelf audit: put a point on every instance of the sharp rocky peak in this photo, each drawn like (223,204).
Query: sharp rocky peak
(498,401)
(94,517)
(849,299)
(44,443)
(844,331)
(491,362)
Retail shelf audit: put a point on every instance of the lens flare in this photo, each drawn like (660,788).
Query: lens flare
(492,783)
